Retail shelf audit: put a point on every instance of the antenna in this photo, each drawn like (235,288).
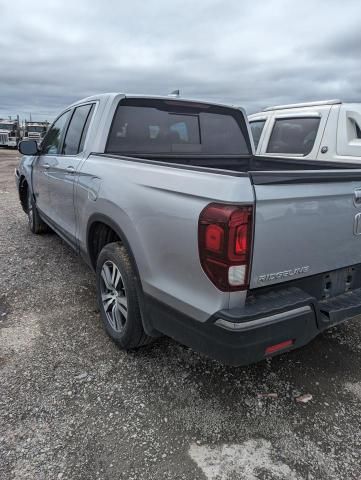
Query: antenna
(175,93)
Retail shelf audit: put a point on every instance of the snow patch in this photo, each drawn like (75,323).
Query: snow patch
(245,461)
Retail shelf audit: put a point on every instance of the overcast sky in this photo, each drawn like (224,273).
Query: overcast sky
(251,53)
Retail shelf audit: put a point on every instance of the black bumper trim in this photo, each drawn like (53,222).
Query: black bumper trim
(246,340)
(340,308)
(230,347)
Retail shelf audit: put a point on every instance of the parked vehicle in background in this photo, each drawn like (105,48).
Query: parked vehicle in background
(327,130)
(190,234)
(35,130)
(9,133)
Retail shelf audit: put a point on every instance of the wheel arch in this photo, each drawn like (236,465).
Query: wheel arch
(99,219)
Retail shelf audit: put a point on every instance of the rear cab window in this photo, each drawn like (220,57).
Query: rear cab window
(162,127)
(293,135)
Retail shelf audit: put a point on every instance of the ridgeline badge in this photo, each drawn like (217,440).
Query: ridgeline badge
(266,277)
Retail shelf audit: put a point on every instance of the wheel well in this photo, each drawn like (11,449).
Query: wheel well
(100,234)
(23,193)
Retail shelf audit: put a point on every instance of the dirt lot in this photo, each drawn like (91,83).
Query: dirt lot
(73,406)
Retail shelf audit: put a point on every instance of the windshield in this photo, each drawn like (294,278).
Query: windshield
(6,126)
(38,129)
(168,127)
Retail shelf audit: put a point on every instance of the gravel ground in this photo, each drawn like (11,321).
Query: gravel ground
(73,406)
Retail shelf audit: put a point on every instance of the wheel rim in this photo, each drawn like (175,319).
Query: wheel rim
(114,296)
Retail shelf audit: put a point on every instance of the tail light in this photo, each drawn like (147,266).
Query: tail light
(225,241)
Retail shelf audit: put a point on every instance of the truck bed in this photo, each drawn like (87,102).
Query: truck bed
(240,164)
(305,214)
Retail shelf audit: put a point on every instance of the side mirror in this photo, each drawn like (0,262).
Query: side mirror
(28,147)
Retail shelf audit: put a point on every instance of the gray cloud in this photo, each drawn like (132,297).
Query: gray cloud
(249,53)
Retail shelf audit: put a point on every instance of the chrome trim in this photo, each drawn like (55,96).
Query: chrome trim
(260,322)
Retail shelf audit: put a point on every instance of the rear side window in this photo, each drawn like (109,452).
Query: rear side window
(257,129)
(73,142)
(165,127)
(293,135)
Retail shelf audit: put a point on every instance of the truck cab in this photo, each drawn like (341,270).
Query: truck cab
(9,133)
(35,131)
(327,130)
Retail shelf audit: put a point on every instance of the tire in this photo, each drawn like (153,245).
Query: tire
(36,224)
(118,297)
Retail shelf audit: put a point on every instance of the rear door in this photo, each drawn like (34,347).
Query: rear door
(306,222)
(63,169)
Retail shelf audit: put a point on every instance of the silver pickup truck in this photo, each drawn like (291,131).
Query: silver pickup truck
(191,235)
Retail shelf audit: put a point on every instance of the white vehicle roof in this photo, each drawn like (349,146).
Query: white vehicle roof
(303,105)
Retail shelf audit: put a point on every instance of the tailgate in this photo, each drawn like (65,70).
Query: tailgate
(306,222)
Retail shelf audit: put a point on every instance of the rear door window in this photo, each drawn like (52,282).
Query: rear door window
(293,135)
(161,127)
(72,143)
(257,129)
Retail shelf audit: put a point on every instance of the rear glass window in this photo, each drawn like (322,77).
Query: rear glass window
(256,129)
(165,128)
(293,135)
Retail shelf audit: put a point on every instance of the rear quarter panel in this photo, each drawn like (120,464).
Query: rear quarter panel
(157,208)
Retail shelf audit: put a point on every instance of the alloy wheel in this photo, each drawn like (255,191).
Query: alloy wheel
(113,296)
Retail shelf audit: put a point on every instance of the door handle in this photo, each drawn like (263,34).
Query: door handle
(46,165)
(70,169)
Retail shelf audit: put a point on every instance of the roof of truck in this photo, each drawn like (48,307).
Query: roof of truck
(304,104)
(179,98)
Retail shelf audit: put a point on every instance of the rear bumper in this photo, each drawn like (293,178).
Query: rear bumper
(242,336)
